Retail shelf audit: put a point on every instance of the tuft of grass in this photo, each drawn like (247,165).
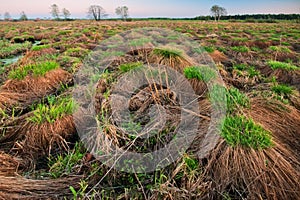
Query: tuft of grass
(38,69)
(209,49)
(283,90)
(40,47)
(251,71)
(56,109)
(77,52)
(236,100)
(240,131)
(167,52)
(241,49)
(201,73)
(282,65)
(64,164)
(130,66)
(191,163)
(280,49)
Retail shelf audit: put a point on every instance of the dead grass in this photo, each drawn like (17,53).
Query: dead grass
(282,120)
(22,188)
(244,173)
(29,138)
(8,164)
(218,56)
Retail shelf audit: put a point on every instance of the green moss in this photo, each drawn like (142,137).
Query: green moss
(251,71)
(23,38)
(77,52)
(7,49)
(280,49)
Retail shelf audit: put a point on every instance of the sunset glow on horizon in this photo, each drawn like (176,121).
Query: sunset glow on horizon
(153,8)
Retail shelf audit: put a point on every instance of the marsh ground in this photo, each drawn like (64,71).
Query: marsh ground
(257,157)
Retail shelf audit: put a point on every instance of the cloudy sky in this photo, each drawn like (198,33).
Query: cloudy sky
(149,8)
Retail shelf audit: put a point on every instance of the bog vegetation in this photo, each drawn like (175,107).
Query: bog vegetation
(257,156)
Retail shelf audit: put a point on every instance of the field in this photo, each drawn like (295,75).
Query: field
(256,154)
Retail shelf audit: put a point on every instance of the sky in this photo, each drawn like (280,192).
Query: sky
(149,8)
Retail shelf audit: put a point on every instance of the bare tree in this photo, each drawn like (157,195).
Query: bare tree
(7,16)
(122,12)
(66,13)
(96,12)
(218,11)
(55,11)
(23,16)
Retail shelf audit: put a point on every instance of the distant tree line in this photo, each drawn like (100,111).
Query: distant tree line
(253,16)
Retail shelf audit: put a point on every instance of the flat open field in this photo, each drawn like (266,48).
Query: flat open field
(47,150)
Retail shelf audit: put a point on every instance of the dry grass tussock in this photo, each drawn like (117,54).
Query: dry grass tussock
(244,173)
(282,120)
(30,138)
